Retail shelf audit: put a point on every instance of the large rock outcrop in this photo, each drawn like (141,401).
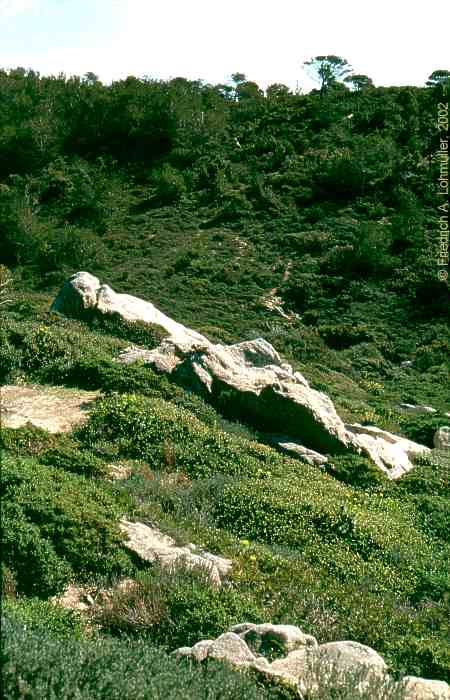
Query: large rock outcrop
(247,380)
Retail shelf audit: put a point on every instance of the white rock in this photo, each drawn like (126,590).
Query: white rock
(231,648)
(391,453)
(441,438)
(83,291)
(288,637)
(422,689)
(199,651)
(336,664)
(411,408)
(74,598)
(295,449)
(152,545)
(250,375)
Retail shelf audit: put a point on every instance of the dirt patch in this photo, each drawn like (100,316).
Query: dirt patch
(55,409)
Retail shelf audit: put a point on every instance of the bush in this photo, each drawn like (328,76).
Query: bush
(58,525)
(32,441)
(147,428)
(344,336)
(37,665)
(176,607)
(56,620)
(72,460)
(435,353)
(356,471)
(367,537)
(137,332)
(420,428)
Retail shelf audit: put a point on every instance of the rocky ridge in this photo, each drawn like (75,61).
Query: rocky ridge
(250,376)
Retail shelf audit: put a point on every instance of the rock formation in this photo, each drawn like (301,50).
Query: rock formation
(312,669)
(441,438)
(152,545)
(248,380)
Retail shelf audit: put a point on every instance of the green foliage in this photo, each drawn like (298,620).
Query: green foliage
(421,428)
(30,440)
(56,620)
(137,332)
(168,436)
(356,471)
(176,607)
(58,525)
(36,664)
(207,200)
(72,460)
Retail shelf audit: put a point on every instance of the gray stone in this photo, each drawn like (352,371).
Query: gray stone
(152,545)
(441,438)
(391,453)
(250,376)
(231,647)
(411,408)
(286,637)
(82,292)
(295,449)
(422,689)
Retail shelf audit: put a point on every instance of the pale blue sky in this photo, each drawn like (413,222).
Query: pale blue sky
(395,42)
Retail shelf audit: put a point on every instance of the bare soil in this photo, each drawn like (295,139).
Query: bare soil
(56,409)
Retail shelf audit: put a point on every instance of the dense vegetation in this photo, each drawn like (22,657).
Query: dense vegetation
(308,219)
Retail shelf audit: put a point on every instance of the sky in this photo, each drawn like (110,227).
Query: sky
(395,42)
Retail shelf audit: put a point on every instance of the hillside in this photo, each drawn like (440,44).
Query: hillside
(310,221)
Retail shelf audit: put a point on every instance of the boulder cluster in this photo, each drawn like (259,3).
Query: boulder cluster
(286,655)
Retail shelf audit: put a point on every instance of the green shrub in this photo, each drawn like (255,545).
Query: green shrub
(436,353)
(421,428)
(316,517)
(10,359)
(32,441)
(431,476)
(176,607)
(149,429)
(355,470)
(344,336)
(38,665)
(72,460)
(137,332)
(56,620)
(8,582)
(58,525)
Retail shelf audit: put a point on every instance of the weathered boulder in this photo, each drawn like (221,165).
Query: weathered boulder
(74,598)
(285,637)
(199,651)
(295,449)
(247,380)
(391,453)
(413,688)
(152,545)
(83,292)
(231,648)
(350,656)
(441,438)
